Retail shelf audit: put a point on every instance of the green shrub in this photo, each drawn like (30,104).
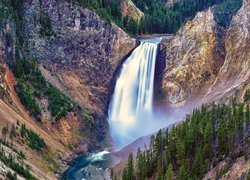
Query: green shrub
(59,104)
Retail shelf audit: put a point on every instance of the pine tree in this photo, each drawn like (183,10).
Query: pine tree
(125,174)
(169,175)
(182,173)
(180,155)
(130,172)
(160,175)
(4,133)
(12,131)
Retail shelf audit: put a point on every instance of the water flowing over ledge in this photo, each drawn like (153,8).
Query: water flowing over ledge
(131,109)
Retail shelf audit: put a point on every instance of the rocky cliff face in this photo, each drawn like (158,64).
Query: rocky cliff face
(234,76)
(193,59)
(78,47)
(79,53)
(205,62)
(236,68)
(8,42)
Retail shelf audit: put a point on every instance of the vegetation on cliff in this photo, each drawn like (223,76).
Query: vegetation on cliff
(211,134)
(13,158)
(34,140)
(31,85)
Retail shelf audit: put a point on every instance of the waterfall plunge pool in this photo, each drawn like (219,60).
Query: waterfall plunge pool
(131,113)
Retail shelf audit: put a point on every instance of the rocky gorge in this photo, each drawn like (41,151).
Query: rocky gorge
(203,60)
(80,54)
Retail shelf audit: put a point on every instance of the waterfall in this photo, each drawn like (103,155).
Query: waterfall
(131,108)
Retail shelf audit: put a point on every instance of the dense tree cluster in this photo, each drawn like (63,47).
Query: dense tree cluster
(11,176)
(10,161)
(225,11)
(158,18)
(211,134)
(110,10)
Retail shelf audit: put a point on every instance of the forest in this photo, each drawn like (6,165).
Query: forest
(158,18)
(209,135)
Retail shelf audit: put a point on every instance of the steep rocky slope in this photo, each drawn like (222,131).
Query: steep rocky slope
(193,59)
(79,53)
(11,111)
(205,62)
(130,10)
(80,48)
(236,69)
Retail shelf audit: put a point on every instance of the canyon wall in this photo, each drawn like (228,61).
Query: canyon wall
(193,57)
(206,62)
(79,53)
(78,47)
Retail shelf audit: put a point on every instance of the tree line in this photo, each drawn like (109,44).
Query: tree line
(209,135)
(158,18)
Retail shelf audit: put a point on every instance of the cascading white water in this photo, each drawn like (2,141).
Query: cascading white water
(131,109)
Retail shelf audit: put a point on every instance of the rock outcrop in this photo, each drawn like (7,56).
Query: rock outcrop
(194,57)
(205,62)
(78,47)
(236,68)
(129,9)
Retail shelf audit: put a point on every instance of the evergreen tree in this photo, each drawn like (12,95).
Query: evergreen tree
(12,131)
(130,171)
(4,133)
(169,175)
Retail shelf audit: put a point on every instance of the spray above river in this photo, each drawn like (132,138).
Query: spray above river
(131,112)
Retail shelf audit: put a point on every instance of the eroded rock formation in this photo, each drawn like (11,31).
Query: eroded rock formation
(193,59)
(130,10)
(205,62)
(82,50)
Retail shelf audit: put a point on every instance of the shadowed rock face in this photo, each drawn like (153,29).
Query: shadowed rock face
(235,72)
(82,50)
(193,59)
(236,68)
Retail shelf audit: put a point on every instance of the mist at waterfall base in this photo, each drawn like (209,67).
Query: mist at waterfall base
(131,113)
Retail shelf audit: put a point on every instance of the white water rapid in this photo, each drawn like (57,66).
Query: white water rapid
(131,109)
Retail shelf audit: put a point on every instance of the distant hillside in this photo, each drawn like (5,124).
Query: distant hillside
(158,18)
